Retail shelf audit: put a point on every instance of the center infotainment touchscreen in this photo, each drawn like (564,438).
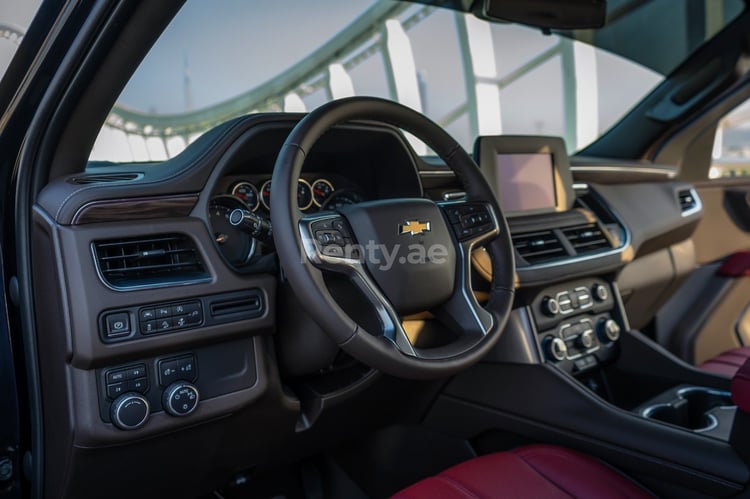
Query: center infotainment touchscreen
(530,175)
(525,182)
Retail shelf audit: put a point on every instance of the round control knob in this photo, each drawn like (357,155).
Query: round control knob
(556,349)
(550,306)
(600,292)
(609,330)
(180,399)
(586,339)
(129,411)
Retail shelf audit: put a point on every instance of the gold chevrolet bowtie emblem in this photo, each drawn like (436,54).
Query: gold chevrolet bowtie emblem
(414,227)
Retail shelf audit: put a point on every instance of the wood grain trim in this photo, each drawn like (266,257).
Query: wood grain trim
(118,210)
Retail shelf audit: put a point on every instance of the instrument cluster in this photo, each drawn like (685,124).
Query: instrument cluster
(239,215)
(311,195)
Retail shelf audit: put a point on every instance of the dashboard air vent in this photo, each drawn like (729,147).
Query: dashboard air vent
(151,261)
(104,178)
(688,200)
(540,246)
(587,238)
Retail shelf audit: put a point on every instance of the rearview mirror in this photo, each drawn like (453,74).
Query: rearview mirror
(549,14)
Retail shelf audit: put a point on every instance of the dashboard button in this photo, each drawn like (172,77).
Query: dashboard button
(118,324)
(130,411)
(180,321)
(148,327)
(186,367)
(178,309)
(180,399)
(163,324)
(114,390)
(147,314)
(116,376)
(138,385)
(600,292)
(167,372)
(162,312)
(138,371)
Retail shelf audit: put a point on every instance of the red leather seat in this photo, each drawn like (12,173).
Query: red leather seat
(728,362)
(542,471)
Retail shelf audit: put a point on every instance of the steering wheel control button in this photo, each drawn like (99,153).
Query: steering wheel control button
(609,330)
(130,411)
(334,238)
(550,307)
(180,399)
(555,349)
(117,325)
(469,220)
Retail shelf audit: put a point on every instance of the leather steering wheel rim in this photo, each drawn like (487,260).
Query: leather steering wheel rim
(306,279)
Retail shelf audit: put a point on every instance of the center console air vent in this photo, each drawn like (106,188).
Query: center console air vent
(689,201)
(151,261)
(540,246)
(587,238)
(105,178)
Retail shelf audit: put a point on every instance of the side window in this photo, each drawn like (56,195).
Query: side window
(731,152)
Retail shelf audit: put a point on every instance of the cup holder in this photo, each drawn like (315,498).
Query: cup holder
(692,408)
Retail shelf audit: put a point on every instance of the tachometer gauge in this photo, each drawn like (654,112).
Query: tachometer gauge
(236,245)
(304,195)
(322,190)
(265,194)
(248,193)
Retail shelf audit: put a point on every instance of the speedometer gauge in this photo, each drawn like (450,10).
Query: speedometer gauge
(322,190)
(248,193)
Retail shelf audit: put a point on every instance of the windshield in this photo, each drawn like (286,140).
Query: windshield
(218,60)
(15,18)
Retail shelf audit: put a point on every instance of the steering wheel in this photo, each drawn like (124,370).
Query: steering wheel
(405,255)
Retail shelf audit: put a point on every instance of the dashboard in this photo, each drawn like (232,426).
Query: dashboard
(166,287)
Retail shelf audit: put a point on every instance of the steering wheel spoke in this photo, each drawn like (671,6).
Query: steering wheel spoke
(329,244)
(388,317)
(473,223)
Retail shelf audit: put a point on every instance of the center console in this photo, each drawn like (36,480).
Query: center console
(581,377)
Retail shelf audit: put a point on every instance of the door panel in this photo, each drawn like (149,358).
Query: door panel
(706,316)
(725,227)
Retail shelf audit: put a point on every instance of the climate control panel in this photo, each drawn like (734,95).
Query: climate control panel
(578,324)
